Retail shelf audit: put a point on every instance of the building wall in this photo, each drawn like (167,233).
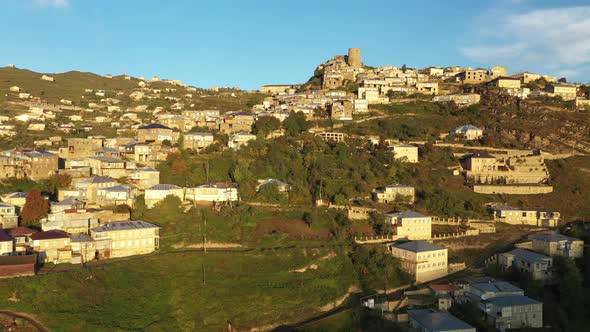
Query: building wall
(131,242)
(425,266)
(409,154)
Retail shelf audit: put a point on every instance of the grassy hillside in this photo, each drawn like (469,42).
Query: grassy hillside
(166,292)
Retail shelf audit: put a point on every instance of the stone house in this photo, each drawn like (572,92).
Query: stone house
(126,238)
(116,195)
(156,133)
(144,178)
(27,163)
(236,141)
(423,260)
(66,204)
(157,193)
(505,82)
(410,225)
(341,110)
(429,88)
(22,238)
(539,267)
(6,243)
(394,193)
(429,320)
(564,90)
(513,312)
(213,192)
(198,141)
(52,246)
(461,100)
(468,132)
(81,147)
(526,216)
(553,244)
(524,169)
(474,76)
(8,216)
(405,152)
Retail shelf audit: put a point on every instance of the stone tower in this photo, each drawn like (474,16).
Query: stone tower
(354,57)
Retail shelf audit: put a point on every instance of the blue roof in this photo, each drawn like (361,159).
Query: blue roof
(438,320)
(164,187)
(407,214)
(512,301)
(528,256)
(418,246)
(497,286)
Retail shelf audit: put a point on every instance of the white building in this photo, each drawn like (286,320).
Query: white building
(405,152)
(214,192)
(158,192)
(410,225)
(422,259)
(468,132)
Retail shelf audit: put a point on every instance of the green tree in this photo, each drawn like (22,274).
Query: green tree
(265,125)
(296,123)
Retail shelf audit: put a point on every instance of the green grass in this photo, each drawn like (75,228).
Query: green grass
(166,292)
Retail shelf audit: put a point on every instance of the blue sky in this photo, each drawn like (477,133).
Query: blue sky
(251,43)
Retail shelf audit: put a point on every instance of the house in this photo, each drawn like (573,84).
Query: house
(526,216)
(410,225)
(158,192)
(156,133)
(22,238)
(52,246)
(423,260)
(28,163)
(482,167)
(126,238)
(47,78)
(144,178)
(429,320)
(6,243)
(394,193)
(553,244)
(513,312)
(86,189)
(582,103)
(429,88)
(467,132)
(341,110)
(498,71)
(36,127)
(281,186)
(66,204)
(213,192)
(564,90)
(334,137)
(116,195)
(405,153)
(539,267)
(81,147)
(8,216)
(14,89)
(505,82)
(83,248)
(474,76)
(480,291)
(17,266)
(68,222)
(236,141)
(198,141)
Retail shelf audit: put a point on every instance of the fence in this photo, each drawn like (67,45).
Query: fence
(375,239)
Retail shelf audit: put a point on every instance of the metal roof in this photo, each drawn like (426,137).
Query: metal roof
(528,256)
(418,246)
(164,186)
(512,301)
(438,320)
(123,226)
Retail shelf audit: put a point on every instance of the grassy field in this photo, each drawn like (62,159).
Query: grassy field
(166,292)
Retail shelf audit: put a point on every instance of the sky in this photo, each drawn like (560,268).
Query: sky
(257,42)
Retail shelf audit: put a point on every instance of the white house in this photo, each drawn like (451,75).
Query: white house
(213,192)
(468,132)
(158,192)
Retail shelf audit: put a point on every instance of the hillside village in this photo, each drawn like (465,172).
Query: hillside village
(410,165)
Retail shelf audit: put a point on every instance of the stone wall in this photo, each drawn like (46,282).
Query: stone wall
(512,190)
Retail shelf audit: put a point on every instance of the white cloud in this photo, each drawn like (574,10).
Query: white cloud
(558,39)
(52,3)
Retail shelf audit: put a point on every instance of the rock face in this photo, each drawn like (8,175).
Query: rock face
(533,124)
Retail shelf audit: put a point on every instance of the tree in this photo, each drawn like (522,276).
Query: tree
(404,68)
(295,123)
(562,80)
(35,208)
(265,125)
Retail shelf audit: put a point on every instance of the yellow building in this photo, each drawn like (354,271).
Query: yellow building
(422,259)
(526,216)
(582,103)
(410,225)
(506,82)
(53,246)
(394,193)
(553,244)
(475,76)
(126,238)
(498,71)
(565,91)
(405,152)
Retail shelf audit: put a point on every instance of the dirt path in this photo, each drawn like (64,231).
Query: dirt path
(29,318)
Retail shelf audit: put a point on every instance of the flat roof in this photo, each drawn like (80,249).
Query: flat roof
(418,246)
(123,226)
(512,301)
(438,320)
